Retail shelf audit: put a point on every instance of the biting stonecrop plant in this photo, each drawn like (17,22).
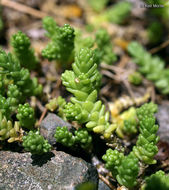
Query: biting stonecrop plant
(16,86)
(84,82)
(66,43)
(61,46)
(35,143)
(9,131)
(22,50)
(26,116)
(126,168)
(158,180)
(81,137)
(151,66)
(104,47)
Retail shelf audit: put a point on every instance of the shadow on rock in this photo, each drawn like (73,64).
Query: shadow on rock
(40,160)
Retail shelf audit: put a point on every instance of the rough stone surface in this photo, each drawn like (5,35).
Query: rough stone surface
(163,121)
(49,124)
(54,171)
(103,186)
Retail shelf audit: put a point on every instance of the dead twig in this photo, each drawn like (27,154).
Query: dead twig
(42,116)
(106,181)
(158,48)
(128,86)
(112,67)
(23,8)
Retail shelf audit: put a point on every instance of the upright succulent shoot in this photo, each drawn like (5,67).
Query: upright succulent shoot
(61,46)
(83,82)
(24,53)
(26,116)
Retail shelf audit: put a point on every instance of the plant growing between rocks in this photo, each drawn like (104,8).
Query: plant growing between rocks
(85,109)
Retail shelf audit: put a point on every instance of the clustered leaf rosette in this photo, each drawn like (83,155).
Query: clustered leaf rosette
(81,137)
(63,136)
(35,143)
(151,66)
(83,82)
(128,171)
(24,53)
(61,46)
(113,159)
(146,148)
(26,115)
(8,131)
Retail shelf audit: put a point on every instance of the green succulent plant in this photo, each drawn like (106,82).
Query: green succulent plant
(12,69)
(63,136)
(128,171)
(81,137)
(146,148)
(83,82)
(82,42)
(61,46)
(151,66)
(8,131)
(59,104)
(113,159)
(155,32)
(35,143)
(104,47)
(24,53)
(157,180)
(26,116)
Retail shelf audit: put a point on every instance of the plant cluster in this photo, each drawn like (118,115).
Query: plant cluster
(84,107)
(35,143)
(104,47)
(8,131)
(126,168)
(16,86)
(83,82)
(24,53)
(67,42)
(26,115)
(151,66)
(157,180)
(81,137)
(61,47)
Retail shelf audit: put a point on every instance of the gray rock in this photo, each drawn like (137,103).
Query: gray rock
(103,186)
(56,170)
(163,120)
(49,124)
